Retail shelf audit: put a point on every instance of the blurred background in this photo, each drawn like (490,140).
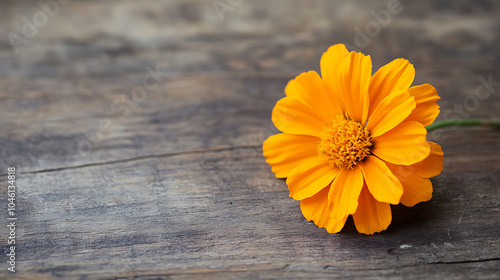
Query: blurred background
(81,57)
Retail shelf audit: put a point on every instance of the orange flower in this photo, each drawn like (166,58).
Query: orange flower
(353,143)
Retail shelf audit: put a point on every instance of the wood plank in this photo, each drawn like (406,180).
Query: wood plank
(75,99)
(211,211)
(177,187)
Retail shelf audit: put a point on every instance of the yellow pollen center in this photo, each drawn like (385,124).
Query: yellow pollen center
(344,142)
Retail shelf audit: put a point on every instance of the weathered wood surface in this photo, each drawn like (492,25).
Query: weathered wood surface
(174,185)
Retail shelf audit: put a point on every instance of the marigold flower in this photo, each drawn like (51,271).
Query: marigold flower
(353,143)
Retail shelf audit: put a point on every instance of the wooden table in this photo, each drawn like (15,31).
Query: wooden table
(136,129)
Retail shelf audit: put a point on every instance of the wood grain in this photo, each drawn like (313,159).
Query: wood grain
(174,185)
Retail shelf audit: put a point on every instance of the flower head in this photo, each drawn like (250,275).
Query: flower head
(353,143)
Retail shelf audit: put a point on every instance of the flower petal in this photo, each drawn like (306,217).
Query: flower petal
(330,61)
(344,192)
(371,216)
(415,188)
(354,78)
(390,112)
(427,108)
(311,91)
(316,209)
(394,76)
(405,144)
(383,185)
(291,116)
(309,178)
(284,152)
(432,165)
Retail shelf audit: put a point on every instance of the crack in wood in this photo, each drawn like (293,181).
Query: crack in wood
(190,152)
(285,267)
(465,261)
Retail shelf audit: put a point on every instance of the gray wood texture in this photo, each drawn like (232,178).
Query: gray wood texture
(170,182)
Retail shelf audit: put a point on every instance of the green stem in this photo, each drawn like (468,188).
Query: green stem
(459,122)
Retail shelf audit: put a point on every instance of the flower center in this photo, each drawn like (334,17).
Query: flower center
(344,142)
